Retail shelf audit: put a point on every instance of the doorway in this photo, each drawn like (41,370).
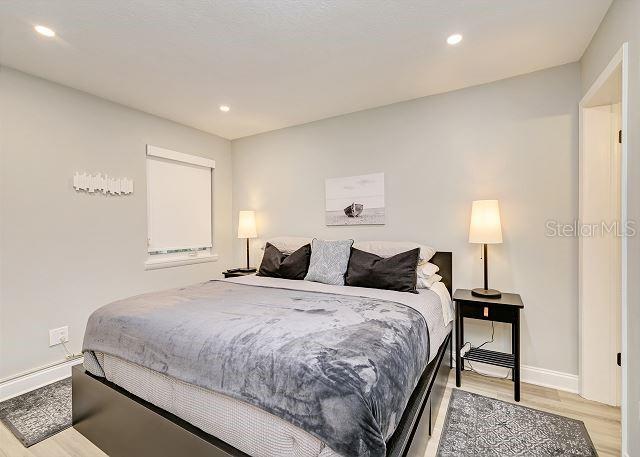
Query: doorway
(602,239)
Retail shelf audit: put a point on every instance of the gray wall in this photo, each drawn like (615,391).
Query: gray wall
(622,23)
(63,254)
(514,140)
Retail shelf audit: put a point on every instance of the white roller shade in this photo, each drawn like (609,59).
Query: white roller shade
(179,205)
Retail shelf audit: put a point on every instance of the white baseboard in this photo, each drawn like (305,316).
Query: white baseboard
(27,382)
(534,375)
(549,378)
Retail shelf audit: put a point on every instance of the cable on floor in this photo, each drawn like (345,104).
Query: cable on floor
(493,334)
(70,355)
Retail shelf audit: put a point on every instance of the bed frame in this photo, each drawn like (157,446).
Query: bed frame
(123,425)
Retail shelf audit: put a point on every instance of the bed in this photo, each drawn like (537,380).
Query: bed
(133,397)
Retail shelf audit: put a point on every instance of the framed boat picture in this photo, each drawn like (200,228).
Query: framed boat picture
(355,200)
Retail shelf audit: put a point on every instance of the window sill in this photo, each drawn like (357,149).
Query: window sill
(155,264)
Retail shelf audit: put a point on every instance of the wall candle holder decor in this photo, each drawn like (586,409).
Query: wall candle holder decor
(102,183)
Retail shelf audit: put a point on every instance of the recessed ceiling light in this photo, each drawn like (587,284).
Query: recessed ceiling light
(224,108)
(454,39)
(46,31)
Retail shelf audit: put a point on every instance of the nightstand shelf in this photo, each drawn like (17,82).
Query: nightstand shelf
(491,357)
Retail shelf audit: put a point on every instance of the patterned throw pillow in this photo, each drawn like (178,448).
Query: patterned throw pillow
(329,261)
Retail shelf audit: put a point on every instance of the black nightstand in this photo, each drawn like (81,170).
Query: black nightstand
(504,309)
(236,272)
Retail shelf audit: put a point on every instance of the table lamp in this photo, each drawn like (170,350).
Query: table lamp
(485,229)
(247,229)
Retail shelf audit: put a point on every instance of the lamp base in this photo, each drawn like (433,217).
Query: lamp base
(486,293)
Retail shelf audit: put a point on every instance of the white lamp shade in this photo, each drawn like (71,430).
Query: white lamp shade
(247,225)
(485,222)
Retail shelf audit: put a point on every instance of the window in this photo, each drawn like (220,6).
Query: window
(179,193)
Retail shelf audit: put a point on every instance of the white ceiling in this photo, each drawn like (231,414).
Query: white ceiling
(278,63)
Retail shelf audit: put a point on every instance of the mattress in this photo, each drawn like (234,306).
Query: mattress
(243,426)
(240,424)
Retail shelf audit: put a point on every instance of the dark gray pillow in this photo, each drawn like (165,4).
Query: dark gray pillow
(278,265)
(393,273)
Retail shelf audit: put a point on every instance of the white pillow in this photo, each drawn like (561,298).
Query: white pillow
(390,248)
(426,270)
(426,283)
(288,244)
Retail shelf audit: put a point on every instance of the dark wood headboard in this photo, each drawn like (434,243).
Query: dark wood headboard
(444,261)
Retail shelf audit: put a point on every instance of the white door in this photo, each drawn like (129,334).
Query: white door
(600,260)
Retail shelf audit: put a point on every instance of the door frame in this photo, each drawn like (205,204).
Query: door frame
(621,58)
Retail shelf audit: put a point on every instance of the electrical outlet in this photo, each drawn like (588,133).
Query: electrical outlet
(58,336)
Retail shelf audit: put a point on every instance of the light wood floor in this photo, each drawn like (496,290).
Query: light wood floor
(603,422)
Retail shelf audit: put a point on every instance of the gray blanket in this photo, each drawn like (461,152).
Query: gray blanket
(339,367)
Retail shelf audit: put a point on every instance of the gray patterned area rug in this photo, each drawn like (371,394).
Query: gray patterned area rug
(38,414)
(482,426)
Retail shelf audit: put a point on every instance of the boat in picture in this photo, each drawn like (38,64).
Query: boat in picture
(354,210)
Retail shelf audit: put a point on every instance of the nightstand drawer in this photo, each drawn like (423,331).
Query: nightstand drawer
(488,312)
